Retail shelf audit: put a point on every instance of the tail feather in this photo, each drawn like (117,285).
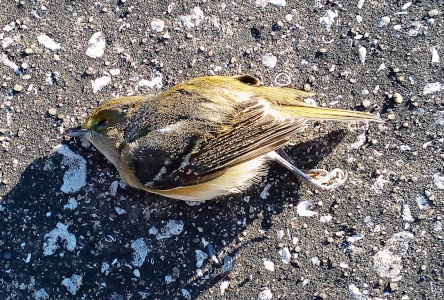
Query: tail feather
(322,113)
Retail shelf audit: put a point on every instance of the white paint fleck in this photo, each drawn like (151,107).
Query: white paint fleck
(41,295)
(354,292)
(269,60)
(154,83)
(303,209)
(378,186)
(120,211)
(140,252)
(173,227)
(438,180)
(328,19)
(265,192)
(362,51)
(72,204)
(75,177)
(96,45)
(5,60)
(384,21)
(439,118)
(73,284)
(157,25)
(360,140)
(48,42)
(285,255)
(435,55)
(406,213)
(388,262)
(186,294)
(200,258)
(263,3)
(315,261)
(431,88)
(114,72)
(61,231)
(9,26)
(223,286)
(100,83)
(269,265)
(193,19)
(325,219)
(113,188)
(7,41)
(136,273)
(265,294)
(169,279)
(105,268)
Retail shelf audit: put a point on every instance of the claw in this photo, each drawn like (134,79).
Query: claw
(327,181)
(321,179)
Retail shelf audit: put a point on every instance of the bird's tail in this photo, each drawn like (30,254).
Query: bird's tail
(289,102)
(322,113)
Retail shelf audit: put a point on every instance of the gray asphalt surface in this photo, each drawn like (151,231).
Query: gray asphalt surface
(70,229)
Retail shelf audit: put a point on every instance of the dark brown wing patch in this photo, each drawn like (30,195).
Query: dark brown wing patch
(254,132)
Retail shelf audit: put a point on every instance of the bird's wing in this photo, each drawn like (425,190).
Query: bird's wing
(253,132)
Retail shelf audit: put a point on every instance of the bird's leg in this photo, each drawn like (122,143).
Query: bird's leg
(319,178)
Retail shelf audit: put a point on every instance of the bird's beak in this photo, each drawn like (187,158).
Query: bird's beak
(76,132)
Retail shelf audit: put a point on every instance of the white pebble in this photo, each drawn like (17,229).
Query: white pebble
(96,45)
(223,286)
(397,27)
(285,255)
(360,3)
(265,294)
(439,181)
(100,83)
(358,18)
(328,19)
(269,265)
(263,3)
(362,51)
(269,60)
(157,25)
(48,42)
(407,5)
(384,21)
(431,88)
(114,72)
(435,55)
(303,209)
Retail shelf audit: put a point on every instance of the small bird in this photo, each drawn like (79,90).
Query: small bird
(207,137)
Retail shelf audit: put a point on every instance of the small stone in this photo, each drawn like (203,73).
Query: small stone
(433,12)
(366,103)
(323,50)
(401,78)
(384,21)
(28,51)
(233,60)
(269,60)
(18,88)
(352,80)
(52,111)
(307,87)
(398,98)
(25,65)
(393,286)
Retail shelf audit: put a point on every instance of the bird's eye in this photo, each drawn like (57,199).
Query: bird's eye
(102,123)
